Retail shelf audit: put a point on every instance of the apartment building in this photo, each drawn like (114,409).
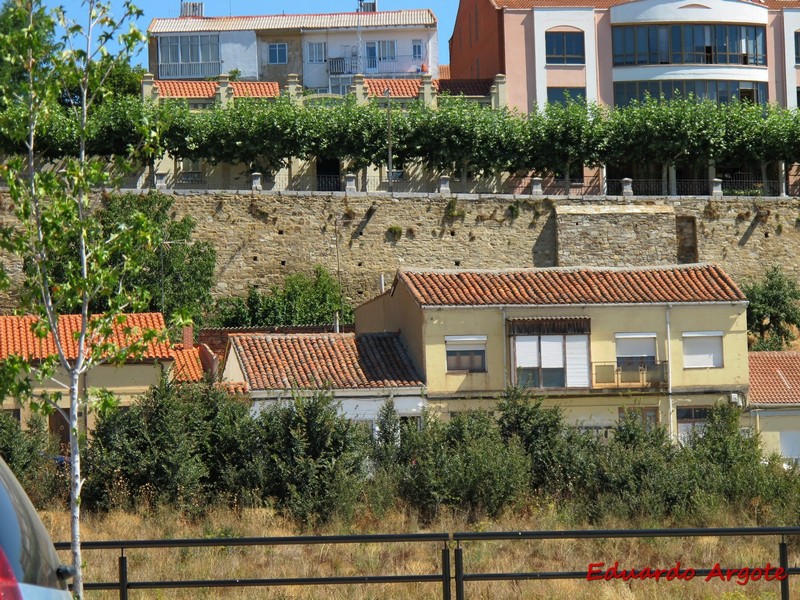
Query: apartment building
(615,51)
(325,49)
(668,342)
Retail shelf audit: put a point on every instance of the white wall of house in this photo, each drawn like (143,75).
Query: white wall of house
(238,50)
(343,44)
(545,19)
(680,11)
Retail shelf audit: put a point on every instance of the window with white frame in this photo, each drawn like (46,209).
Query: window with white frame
(188,49)
(635,349)
(552,361)
(416,49)
(277,54)
(690,419)
(702,349)
(466,353)
(387,50)
(317,52)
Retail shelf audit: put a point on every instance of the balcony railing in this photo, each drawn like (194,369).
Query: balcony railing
(195,69)
(611,376)
(371,65)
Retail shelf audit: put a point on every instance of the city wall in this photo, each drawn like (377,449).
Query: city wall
(260,238)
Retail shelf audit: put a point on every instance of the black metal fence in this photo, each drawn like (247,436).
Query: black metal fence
(446,578)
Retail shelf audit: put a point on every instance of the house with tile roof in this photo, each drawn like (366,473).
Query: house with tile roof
(666,341)
(774,401)
(362,371)
(126,381)
(325,49)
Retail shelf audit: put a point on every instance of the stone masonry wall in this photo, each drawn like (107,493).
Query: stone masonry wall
(261,238)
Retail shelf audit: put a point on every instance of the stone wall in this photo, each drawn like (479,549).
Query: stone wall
(261,238)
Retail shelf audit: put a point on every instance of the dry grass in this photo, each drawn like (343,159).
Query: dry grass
(359,559)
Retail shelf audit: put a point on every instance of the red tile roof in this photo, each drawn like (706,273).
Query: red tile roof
(774,377)
(467,87)
(186,89)
(216,338)
(208,89)
(17,338)
(313,361)
(399,88)
(256,89)
(444,71)
(187,367)
(566,286)
(384,18)
(529,4)
(409,88)
(237,388)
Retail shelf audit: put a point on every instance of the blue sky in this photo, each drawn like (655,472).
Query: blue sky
(445,11)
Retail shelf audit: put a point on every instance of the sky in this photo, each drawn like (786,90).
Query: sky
(445,11)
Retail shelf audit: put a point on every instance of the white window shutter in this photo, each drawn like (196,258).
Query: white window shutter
(578,361)
(552,351)
(526,349)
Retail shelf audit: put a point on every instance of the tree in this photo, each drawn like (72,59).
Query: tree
(302,300)
(773,309)
(54,213)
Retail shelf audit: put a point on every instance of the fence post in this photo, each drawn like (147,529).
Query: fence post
(123,576)
(536,186)
(445,572)
(459,573)
(783,552)
(627,186)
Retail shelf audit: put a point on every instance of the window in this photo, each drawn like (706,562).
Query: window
(648,415)
(191,171)
(690,44)
(317,52)
(277,54)
(559,95)
(718,90)
(169,47)
(466,353)
(416,49)
(188,49)
(635,349)
(797,47)
(702,349)
(387,50)
(565,48)
(552,361)
(690,419)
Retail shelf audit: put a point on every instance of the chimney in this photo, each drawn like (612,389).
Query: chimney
(188,337)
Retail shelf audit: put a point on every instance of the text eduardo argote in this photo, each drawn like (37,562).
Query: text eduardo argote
(741,576)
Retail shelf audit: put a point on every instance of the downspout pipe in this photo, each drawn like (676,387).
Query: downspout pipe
(669,369)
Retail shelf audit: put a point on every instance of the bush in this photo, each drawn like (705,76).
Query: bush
(464,464)
(315,457)
(32,456)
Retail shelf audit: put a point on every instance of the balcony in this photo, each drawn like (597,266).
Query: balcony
(400,65)
(608,375)
(188,70)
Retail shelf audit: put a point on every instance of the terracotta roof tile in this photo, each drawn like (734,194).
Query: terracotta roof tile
(444,71)
(313,361)
(466,87)
(256,89)
(216,338)
(17,338)
(563,286)
(187,365)
(186,88)
(352,20)
(237,388)
(399,88)
(774,377)
(529,4)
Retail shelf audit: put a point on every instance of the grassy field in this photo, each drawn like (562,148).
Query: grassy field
(360,559)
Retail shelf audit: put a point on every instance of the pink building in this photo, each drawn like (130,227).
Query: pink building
(613,51)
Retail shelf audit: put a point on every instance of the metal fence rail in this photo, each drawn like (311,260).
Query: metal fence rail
(460,577)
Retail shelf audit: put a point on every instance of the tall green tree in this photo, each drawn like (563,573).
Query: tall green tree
(773,310)
(52,208)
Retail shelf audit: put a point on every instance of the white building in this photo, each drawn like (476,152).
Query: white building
(325,49)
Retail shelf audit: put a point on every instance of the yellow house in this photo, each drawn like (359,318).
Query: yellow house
(127,381)
(774,401)
(667,341)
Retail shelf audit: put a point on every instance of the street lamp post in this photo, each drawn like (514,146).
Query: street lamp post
(388,93)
